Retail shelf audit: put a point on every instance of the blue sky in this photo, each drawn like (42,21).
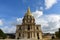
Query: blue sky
(17,8)
(12,11)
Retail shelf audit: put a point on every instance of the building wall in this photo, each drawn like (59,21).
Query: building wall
(33,31)
(18,39)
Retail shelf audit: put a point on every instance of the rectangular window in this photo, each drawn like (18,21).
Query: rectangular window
(20,28)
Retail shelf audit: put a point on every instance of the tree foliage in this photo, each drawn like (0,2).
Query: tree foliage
(2,34)
(57,33)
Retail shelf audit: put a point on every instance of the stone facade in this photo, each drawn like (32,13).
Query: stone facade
(28,29)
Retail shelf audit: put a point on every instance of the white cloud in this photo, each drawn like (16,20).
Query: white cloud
(55,19)
(37,13)
(50,3)
(49,23)
(11,27)
(8,29)
(19,20)
(1,22)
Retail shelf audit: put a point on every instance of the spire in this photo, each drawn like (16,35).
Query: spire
(28,12)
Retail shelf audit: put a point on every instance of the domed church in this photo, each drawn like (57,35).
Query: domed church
(28,29)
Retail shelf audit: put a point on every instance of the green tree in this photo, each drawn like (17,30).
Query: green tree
(57,33)
(2,34)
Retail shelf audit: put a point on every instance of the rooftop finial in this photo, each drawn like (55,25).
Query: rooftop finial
(28,11)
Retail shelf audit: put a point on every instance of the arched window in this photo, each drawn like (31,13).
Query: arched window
(20,28)
(28,27)
(28,17)
(19,34)
(25,21)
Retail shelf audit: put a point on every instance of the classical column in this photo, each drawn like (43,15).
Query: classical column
(35,35)
(25,36)
(40,35)
(16,35)
(32,35)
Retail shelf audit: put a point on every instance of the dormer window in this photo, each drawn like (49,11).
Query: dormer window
(28,17)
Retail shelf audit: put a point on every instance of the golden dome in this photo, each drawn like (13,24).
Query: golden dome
(28,12)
